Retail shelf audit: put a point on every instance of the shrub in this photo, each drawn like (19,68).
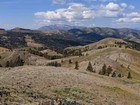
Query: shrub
(70,62)
(108,71)
(113,74)
(100,47)
(119,75)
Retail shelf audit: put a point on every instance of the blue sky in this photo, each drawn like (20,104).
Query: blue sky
(36,13)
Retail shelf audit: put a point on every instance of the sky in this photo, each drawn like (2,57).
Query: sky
(90,13)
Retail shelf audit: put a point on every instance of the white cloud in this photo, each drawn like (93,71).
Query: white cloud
(59,2)
(133,17)
(112,7)
(77,13)
(128,20)
(109,13)
(74,13)
(110,10)
(124,5)
(107,0)
(131,7)
(133,14)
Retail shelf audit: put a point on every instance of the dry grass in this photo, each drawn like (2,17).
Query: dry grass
(85,87)
(28,82)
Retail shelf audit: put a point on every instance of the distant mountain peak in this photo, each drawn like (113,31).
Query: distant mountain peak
(59,27)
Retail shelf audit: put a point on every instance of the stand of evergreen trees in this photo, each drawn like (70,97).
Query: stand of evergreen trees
(45,55)
(106,70)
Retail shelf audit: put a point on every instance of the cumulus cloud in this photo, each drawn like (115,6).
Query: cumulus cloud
(112,6)
(133,17)
(131,7)
(110,10)
(74,13)
(124,5)
(107,0)
(128,20)
(133,14)
(60,2)
(77,13)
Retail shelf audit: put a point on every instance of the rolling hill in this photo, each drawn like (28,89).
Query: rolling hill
(42,81)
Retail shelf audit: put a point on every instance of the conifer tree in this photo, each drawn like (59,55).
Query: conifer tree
(129,75)
(90,68)
(103,71)
(77,65)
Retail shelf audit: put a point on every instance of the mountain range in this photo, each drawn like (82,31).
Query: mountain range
(19,37)
(59,27)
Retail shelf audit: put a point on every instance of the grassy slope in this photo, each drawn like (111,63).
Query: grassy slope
(118,58)
(25,83)
(87,88)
